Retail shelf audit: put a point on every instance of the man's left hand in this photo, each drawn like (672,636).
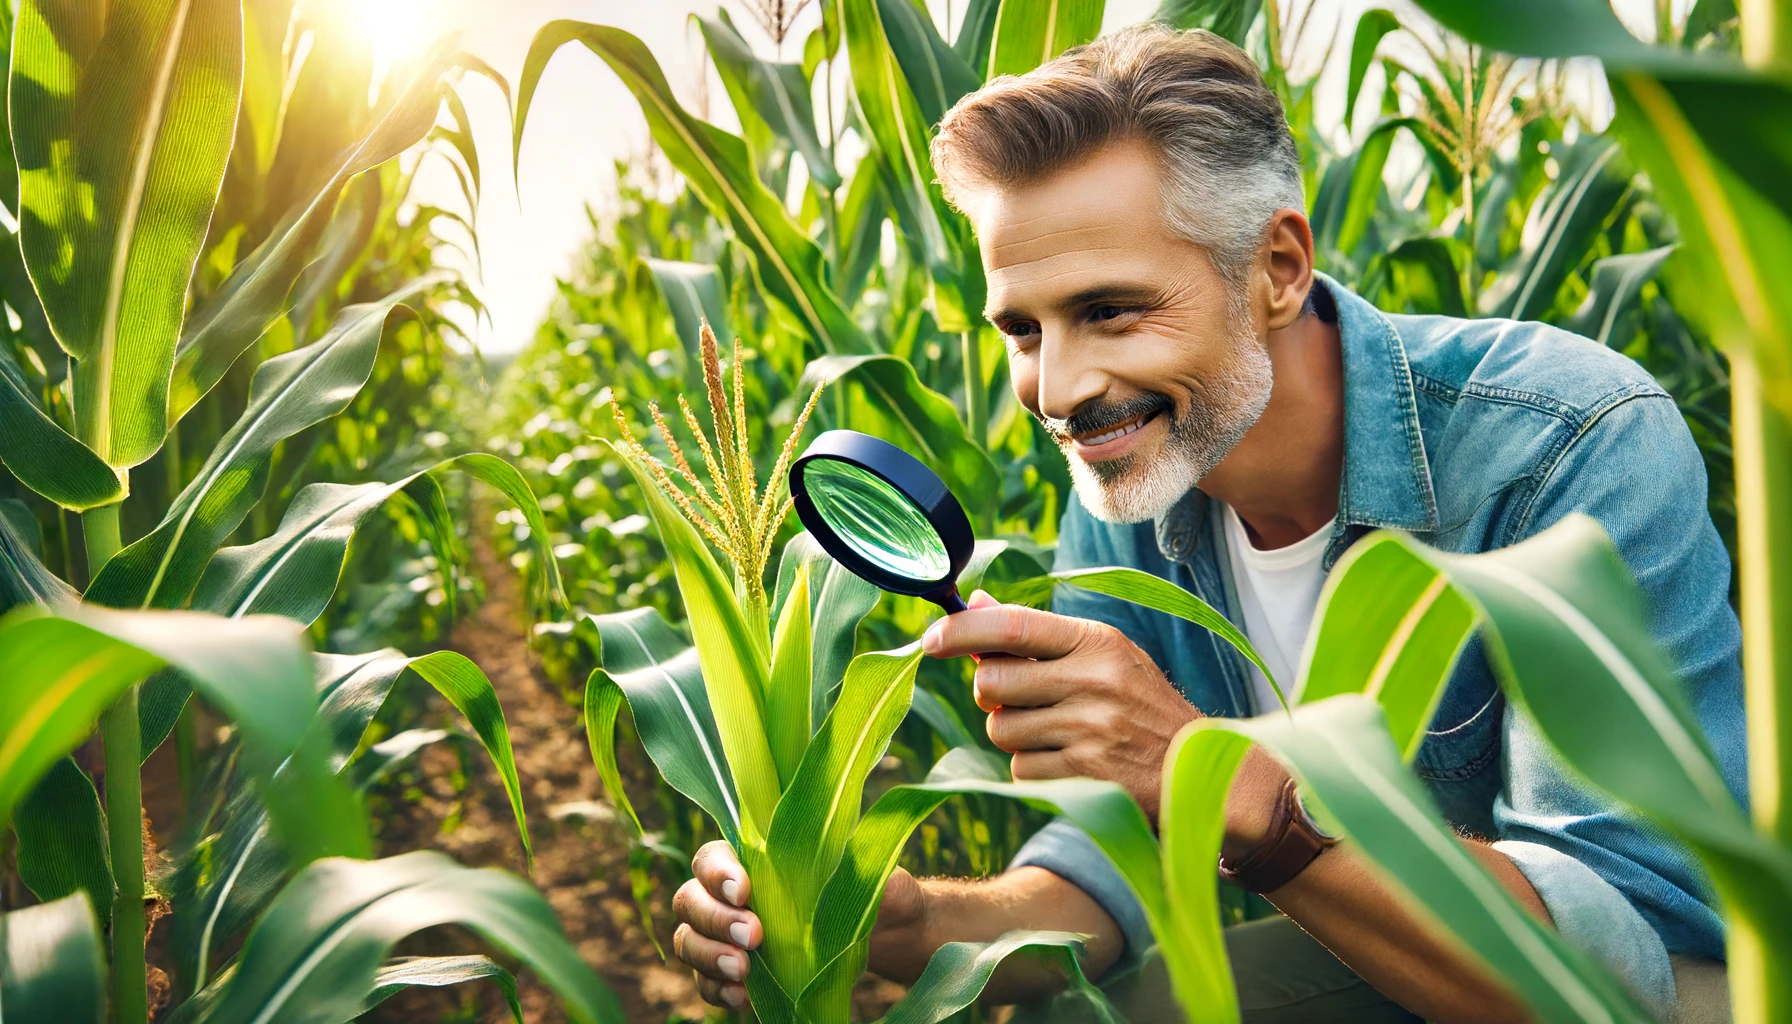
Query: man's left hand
(1076,697)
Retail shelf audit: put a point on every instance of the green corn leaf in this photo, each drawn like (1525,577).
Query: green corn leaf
(658,674)
(938,76)
(391,754)
(1004,560)
(788,700)
(897,406)
(1594,180)
(1542,28)
(394,976)
(43,456)
(252,669)
(958,971)
(939,716)
(52,964)
(256,293)
(1191,819)
(122,121)
(317,952)
(1364,194)
(223,887)
(1231,20)
(467,688)
(838,601)
(820,808)
(772,97)
(862,219)
(693,292)
(899,134)
(1371,28)
(1613,289)
(976,32)
(848,904)
(1424,269)
(1029,34)
(734,660)
(1341,751)
(1140,588)
(60,830)
(1562,606)
(24,579)
(1389,626)
(718,168)
(290,393)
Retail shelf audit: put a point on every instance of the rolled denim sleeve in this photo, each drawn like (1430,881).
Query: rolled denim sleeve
(1636,470)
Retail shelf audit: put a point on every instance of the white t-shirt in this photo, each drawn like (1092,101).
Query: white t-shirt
(1278,591)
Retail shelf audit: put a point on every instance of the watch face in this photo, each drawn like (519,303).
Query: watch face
(1306,814)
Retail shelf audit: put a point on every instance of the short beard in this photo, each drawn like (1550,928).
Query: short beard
(1219,412)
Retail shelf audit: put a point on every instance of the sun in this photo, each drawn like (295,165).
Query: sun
(400,30)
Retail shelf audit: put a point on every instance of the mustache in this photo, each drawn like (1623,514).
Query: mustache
(1104,416)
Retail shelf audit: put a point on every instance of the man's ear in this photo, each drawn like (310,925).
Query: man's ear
(1287,266)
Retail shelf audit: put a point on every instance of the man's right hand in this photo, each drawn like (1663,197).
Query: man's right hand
(716,929)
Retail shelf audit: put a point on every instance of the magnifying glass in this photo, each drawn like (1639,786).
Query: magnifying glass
(881,513)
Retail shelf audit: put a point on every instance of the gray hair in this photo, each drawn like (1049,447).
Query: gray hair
(1229,159)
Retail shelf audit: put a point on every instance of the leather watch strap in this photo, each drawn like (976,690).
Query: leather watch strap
(1291,844)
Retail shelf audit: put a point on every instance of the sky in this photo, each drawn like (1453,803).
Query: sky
(584,120)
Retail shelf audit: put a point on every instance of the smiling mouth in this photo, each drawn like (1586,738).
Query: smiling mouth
(1117,432)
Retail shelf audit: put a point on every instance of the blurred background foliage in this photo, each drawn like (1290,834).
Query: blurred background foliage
(1463,183)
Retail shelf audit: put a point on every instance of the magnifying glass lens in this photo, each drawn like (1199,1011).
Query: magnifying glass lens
(876,520)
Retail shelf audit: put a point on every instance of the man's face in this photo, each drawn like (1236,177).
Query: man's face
(1139,358)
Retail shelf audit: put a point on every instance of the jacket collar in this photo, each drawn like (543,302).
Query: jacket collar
(1386,479)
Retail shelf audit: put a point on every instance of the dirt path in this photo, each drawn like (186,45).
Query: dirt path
(581,866)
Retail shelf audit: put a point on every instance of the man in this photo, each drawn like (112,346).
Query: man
(1233,422)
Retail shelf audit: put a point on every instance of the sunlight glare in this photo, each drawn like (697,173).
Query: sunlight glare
(400,30)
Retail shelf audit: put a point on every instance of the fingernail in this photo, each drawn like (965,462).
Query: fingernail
(930,640)
(740,933)
(730,967)
(734,995)
(731,891)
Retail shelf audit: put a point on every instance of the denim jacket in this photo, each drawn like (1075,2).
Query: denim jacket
(1472,435)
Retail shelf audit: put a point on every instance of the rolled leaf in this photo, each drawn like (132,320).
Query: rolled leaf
(838,601)
(318,950)
(52,965)
(290,393)
(123,117)
(467,688)
(717,166)
(788,698)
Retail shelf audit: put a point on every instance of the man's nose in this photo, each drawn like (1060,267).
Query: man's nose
(1069,376)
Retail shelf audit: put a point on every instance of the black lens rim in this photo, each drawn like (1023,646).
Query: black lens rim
(911,477)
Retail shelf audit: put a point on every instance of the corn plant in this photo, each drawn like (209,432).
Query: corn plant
(179,226)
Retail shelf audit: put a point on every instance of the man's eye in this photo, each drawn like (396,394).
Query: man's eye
(1107,312)
(1020,330)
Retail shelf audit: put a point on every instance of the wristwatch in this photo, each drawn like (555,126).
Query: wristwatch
(1294,840)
